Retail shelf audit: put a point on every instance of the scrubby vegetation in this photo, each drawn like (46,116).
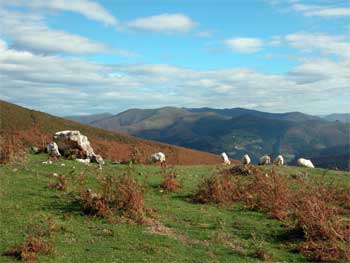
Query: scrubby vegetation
(311,206)
(120,213)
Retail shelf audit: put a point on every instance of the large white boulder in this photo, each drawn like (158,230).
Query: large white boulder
(76,143)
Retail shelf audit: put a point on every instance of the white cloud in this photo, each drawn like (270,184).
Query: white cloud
(321,11)
(28,32)
(337,45)
(244,44)
(165,23)
(53,84)
(90,9)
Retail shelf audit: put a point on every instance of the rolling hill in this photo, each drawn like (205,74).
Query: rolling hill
(85,119)
(342,117)
(20,126)
(238,131)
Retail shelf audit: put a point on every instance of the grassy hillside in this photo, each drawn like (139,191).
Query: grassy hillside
(185,231)
(237,131)
(31,127)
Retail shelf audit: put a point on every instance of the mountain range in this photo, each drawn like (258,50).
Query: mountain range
(238,131)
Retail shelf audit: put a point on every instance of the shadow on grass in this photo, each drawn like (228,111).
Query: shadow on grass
(290,235)
(59,205)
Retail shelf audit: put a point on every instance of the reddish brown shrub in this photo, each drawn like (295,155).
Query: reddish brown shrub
(326,251)
(169,183)
(61,183)
(314,207)
(11,150)
(94,204)
(122,195)
(269,193)
(263,255)
(242,169)
(317,219)
(128,197)
(40,241)
(220,189)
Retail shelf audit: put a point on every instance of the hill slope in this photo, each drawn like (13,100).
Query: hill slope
(36,128)
(237,131)
(85,119)
(343,117)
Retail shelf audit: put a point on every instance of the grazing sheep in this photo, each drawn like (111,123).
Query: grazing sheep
(246,159)
(305,163)
(225,159)
(158,157)
(279,160)
(265,160)
(52,149)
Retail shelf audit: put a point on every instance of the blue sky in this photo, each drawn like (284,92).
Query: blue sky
(79,57)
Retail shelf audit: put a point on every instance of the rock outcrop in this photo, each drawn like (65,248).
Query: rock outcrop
(52,150)
(75,144)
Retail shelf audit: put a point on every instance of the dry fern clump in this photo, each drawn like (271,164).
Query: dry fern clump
(269,193)
(120,196)
(39,241)
(169,183)
(61,183)
(221,189)
(319,210)
(242,169)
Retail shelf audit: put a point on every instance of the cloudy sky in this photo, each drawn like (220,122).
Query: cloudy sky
(78,57)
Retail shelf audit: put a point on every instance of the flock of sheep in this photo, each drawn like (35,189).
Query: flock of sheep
(264,160)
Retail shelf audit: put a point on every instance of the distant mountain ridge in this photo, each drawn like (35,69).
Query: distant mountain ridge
(237,131)
(86,119)
(343,117)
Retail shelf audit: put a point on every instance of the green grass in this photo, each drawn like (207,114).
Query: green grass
(200,233)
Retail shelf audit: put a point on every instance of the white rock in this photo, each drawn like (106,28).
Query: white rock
(78,144)
(52,149)
(84,161)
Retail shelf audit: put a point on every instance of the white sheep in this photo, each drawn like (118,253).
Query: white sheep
(225,158)
(246,159)
(158,157)
(305,163)
(279,160)
(265,160)
(52,149)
